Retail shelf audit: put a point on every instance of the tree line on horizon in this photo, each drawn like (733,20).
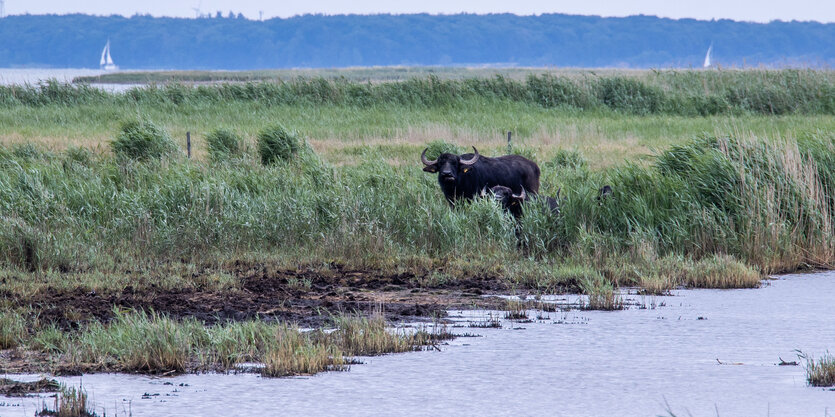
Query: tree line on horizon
(236,43)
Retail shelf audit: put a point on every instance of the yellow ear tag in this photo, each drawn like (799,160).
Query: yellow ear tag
(466,169)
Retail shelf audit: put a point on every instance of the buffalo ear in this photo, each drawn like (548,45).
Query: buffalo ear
(430,168)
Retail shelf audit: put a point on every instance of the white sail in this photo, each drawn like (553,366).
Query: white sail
(707,56)
(105,54)
(106,62)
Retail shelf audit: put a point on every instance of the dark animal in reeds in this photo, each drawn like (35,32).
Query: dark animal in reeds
(604,193)
(464,176)
(512,203)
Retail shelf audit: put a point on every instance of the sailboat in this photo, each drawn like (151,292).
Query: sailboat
(106,62)
(707,57)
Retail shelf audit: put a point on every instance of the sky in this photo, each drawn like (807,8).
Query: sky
(746,10)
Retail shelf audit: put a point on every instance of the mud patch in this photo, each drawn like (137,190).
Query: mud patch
(307,297)
(12,388)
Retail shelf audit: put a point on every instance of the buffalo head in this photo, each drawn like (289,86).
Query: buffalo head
(448,166)
(510,202)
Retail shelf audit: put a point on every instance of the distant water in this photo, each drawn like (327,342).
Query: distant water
(33,76)
(697,352)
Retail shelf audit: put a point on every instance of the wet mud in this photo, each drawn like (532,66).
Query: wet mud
(274,294)
(12,388)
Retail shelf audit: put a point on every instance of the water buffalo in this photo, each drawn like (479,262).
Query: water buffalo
(513,202)
(510,202)
(464,176)
(603,193)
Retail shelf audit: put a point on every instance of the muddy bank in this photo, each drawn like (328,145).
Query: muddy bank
(12,388)
(306,297)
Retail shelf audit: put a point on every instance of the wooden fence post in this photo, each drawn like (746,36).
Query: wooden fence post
(188,144)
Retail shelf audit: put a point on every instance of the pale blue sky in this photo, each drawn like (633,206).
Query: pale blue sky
(750,10)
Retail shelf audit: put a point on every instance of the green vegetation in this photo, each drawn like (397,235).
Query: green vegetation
(141,140)
(821,372)
(326,178)
(70,402)
(276,144)
(12,326)
(684,93)
(152,343)
(764,203)
(602,295)
(439,146)
(223,144)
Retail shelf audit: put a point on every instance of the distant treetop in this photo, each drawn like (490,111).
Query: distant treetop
(145,42)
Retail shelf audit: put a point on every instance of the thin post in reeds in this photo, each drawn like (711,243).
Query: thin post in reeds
(509,145)
(188,144)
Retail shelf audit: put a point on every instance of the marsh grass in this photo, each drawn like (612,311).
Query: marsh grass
(516,309)
(369,336)
(721,271)
(715,212)
(601,295)
(142,140)
(223,144)
(69,402)
(136,342)
(277,144)
(687,93)
(12,328)
(821,372)
(153,343)
(490,322)
(656,284)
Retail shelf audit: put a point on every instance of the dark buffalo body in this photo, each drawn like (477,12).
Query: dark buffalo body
(512,203)
(464,176)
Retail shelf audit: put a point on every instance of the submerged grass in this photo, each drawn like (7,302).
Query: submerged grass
(69,402)
(821,372)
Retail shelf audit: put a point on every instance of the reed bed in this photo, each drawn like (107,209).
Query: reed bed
(716,207)
(686,93)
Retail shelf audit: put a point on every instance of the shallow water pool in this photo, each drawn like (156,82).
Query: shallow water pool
(696,352)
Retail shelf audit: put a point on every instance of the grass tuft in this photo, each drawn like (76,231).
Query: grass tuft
(142,140)
(223,144)
(602,295)
(721,271)
(277,144)
(821,372)
(70,402)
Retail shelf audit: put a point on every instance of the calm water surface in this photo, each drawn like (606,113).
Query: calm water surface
(34,76)
(636,362)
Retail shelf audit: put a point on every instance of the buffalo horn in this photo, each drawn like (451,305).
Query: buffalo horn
(472,160)
(425,161)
